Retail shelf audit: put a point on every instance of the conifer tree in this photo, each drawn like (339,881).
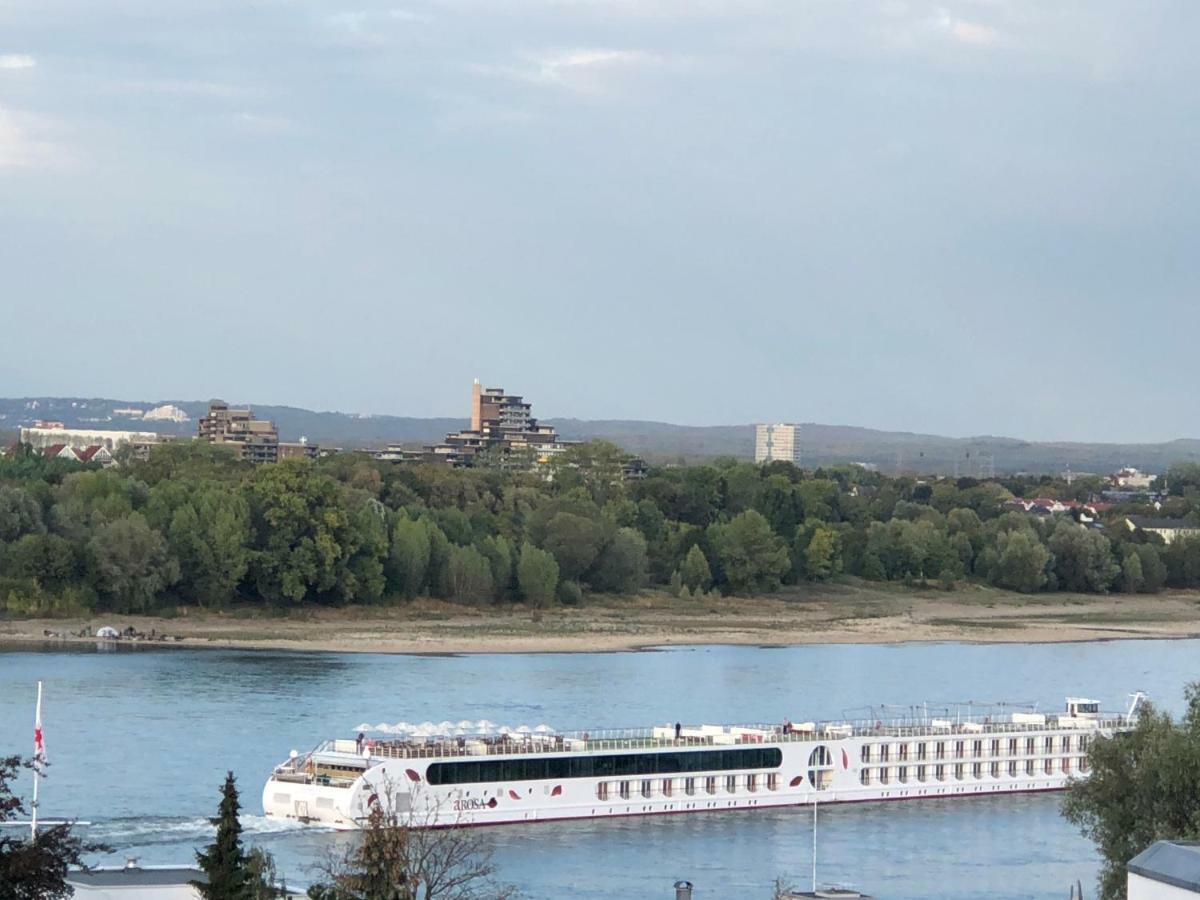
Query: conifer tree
(224,861)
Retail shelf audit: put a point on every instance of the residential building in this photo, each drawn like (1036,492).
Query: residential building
(254,440)
(1167,529)
(777,443)
(1166,870)
(42,438)
(1131,479)
(300,449)
(503,428)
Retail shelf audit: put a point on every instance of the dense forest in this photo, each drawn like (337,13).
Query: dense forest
(193,526)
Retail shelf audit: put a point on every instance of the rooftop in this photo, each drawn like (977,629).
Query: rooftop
(136,876)
(1151,523)
(1176,863)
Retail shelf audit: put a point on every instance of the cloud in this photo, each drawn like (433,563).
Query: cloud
(583,70)
(253,123)
(25,142)
(966,32)
(17,61)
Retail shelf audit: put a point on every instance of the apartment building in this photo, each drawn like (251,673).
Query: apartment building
(254,440)
(502,427)
(777,443)
(45,435)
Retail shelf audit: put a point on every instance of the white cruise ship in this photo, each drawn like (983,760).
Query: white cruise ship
(486,779)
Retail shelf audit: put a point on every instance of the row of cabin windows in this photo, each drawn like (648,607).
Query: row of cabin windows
(924,750)
(940,772)
(688,787)
(608,766)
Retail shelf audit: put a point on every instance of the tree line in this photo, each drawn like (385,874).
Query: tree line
(191,525)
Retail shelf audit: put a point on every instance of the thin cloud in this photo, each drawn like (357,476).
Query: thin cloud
(25,143)
(584,70)
(13,61)
(967,32)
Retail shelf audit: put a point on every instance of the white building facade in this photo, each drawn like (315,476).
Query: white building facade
(777,443)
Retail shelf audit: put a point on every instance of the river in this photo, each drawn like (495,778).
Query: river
(139,741)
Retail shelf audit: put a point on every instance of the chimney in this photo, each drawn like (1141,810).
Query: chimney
(476,406)
(683,890)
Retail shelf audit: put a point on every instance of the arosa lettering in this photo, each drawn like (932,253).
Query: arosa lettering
(615,765)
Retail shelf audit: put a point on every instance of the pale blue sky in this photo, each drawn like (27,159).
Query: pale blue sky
(958,217)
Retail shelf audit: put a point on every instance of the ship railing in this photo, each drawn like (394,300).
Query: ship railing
(739,735)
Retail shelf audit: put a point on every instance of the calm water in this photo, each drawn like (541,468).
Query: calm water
(139,742)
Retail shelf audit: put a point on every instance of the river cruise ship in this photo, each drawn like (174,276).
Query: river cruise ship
(536,775)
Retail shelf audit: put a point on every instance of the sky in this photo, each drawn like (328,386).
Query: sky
(963,217)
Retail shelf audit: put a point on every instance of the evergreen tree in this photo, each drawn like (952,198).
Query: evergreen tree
(224,861)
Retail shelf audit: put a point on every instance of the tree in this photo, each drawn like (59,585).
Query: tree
(209,535)
(130,563)
(1021,563)
(35,869)
(408,559)
(575,542)
(537,575)
(20,514)
(1132,580)
(470,575)
(694,573)
(1082,558)
(822,556)
(621,568)
(1154,570)
(1142,788)
(224,861)
(753,558)
(404,859)
(499,555)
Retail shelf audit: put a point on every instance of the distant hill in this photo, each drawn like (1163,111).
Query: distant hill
(659,441)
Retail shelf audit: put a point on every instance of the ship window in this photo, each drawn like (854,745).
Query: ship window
(1084,765)
(866,753)
(921,749)
(624,791)
(884,775)
(602,791)
(1066,764)
(689,786)
(1012,768)
(902,774)
(622,765)
(1066,744)
(1049,745)
(1083,743)
(1029,745)
(904,751)
(710,785)
(752,782)
(865,776)
(1012,746)
(939,772)
(958,771)
(667,787)
(977,748)
(977,770)
(920,773)
(883,752)
(958,749)
(1048,766)
(730,783)
(995,770)
(647,789)
(772,781)
(1029,767)
(995,746)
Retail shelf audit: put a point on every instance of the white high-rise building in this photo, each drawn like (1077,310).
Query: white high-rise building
(777,442)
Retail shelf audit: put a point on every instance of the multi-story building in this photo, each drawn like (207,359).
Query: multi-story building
(777,442)
(254,440)
(52,434)
(300,449)
(503,429)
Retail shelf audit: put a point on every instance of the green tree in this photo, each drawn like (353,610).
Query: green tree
(575,543)
(35,869)
(470,575)
(224,861)
(822,556)
(20,514)
(50,559)
(1082,558)
(1021,563)
(209,535)
(130,564)
(1131,580)
(408,558)
(499,555)
(437,575)
(1182,559)
(302,532)
(1154,570)
(1142,788)
(621,567)
(753,558)
(537,575)
(694,573)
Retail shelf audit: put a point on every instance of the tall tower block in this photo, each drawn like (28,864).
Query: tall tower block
(476,406)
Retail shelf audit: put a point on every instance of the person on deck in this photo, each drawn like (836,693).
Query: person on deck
(678,731)
(358,743)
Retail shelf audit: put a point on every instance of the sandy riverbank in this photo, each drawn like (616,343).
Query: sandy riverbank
(855,613)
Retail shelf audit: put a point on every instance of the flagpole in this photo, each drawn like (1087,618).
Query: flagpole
(37,762)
